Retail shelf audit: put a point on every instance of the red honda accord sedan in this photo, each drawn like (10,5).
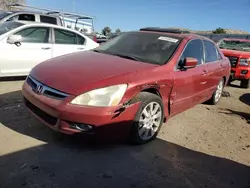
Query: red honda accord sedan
(137,81)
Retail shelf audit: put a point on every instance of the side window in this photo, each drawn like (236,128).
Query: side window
(218,54)
(34,35)
(65,37)
(193,49)
(48,19)
(27,17)
(80,40)
(211,53)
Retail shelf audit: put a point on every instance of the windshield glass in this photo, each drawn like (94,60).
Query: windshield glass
(4,14)
(235,45)
(8,26)
(147,47)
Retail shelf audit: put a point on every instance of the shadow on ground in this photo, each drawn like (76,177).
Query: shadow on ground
(70,162)
(243,115)
(245,98)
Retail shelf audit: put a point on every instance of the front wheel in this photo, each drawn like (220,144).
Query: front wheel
(149,118)
(217,94)
(245,83)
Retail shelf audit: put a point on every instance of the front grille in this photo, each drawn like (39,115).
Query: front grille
(43,115)
(45,90)
(233,60)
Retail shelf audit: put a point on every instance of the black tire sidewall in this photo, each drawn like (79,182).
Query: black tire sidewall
(145,99)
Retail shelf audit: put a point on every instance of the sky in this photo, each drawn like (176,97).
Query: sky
(134,14)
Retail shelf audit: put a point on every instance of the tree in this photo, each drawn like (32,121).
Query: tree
(106,31)
(117,31)
(219,31)
(4,4)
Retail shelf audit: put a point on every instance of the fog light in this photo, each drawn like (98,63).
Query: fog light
(81,126)
(244,72)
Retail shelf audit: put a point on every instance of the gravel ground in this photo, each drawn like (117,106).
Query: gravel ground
(206,146)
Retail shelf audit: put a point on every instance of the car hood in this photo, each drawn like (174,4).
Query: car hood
(236,53)
(77,72)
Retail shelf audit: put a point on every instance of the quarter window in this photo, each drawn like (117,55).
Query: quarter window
(211,53)
(193,49)
(34,35)
(67,37)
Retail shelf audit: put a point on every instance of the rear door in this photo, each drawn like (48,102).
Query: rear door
(215,66)
(34,48)
(67,42)
(188,84)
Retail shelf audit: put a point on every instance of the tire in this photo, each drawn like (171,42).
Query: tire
(245,83)
(217,94)
(145,128)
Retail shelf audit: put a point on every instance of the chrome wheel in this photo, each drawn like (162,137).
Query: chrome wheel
(150,120)
(218,91)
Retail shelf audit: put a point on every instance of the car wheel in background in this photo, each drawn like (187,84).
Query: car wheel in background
(245,83)
(149,118)
(217,94)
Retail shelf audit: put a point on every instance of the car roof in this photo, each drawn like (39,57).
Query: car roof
(32,23)
(236,39)
(26,11)
(174,32)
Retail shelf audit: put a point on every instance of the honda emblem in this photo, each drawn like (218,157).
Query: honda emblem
(39,89)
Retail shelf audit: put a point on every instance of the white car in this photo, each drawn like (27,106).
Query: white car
(25,44)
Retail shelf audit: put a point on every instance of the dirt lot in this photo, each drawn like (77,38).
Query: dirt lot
(207,146)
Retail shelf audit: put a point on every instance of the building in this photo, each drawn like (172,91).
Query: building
(81,25)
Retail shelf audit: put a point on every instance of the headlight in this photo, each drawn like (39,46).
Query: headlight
(244,62)
(108,96)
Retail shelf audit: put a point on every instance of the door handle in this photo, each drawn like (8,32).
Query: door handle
(46,48)
(204,72)
(80,48)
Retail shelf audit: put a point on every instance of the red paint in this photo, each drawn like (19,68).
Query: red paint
(80,72)
(236,71)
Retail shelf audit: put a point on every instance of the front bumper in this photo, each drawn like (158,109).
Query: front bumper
(237,73)
(60,115)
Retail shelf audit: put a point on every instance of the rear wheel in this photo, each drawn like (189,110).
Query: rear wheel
(149,118)
(245,83)
(217,94)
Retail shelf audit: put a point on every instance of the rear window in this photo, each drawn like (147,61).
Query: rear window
(147,47)
(48,19)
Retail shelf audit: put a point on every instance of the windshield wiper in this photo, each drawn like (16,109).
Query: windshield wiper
(128,57)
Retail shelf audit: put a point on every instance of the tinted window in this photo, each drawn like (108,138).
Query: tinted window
(65,37)
(34,35)
(8,26)
(48,19)
(26,17)
(80,40)
(146,47)
(210,52)
(193,49)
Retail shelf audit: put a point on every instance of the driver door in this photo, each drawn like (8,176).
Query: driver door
(35,47)
(189,83)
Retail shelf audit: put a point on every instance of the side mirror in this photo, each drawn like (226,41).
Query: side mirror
(190,62)
(14,39)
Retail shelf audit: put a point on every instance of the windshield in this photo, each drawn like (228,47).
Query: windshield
(8,26)
(235,45)
(147,47)
(4,14)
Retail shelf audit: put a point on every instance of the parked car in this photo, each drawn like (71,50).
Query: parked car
(131,84)
(238,52)
(29,16)
(25,44)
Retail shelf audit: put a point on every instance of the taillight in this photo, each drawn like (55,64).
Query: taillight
(94,38)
